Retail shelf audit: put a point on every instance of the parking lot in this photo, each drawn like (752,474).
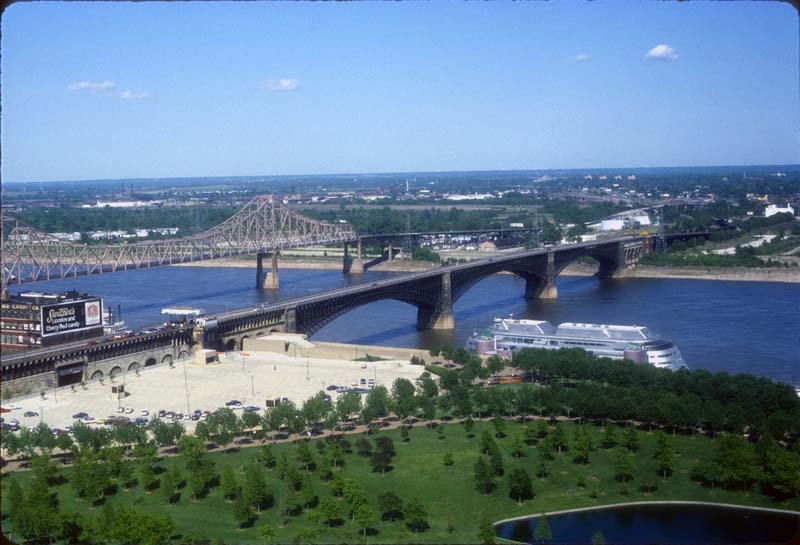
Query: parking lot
(188,386)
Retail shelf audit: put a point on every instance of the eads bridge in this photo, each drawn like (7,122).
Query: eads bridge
(433,292)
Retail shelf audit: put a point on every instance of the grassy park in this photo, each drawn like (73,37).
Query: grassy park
(453,505)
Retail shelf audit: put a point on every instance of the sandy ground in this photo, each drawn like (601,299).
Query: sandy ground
(262,376)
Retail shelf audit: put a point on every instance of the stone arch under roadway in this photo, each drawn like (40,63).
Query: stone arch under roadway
(133,367)
(328,317)
(168,358)
(96,375)
(115,371)
(150,361)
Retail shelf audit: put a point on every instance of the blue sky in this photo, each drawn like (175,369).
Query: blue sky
(124,90)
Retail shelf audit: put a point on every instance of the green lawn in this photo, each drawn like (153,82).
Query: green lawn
(454,506)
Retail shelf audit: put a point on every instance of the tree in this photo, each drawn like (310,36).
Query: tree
(390,505)
(581,445)
(364,447)
(520,486)
(469,425)
(348,404)
(354,495)
(631,439)
(517,446)
(324,469)
(403,397)
(623,463)
(448,460)
(168,487)
(305,456)
(241,509)
(381,461)
(316,408)
(736,462)
(376,405)
(364,517)
(542,532)
(488,443)
(496,461)
(228,484)
(781,478)
(484,476)
(664,454)
(559,438)
(266,457)
(486,531)
(428,386)
(499,427)
(126,475)
(336,454)
(267,533)
(609,439)
(330,511)
(255,487)
(224,425)
(415,516)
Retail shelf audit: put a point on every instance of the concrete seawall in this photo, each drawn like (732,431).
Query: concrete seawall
(300,346)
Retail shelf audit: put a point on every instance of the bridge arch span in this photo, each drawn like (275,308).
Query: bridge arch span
(423,295)
(133,367)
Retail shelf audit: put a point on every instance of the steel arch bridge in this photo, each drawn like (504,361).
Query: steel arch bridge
(263,225)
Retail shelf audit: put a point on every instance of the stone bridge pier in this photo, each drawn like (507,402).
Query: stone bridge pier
(353,265)
(268,280)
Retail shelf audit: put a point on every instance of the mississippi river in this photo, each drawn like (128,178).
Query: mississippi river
(751,327)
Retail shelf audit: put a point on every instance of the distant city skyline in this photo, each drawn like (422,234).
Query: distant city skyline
(95,91)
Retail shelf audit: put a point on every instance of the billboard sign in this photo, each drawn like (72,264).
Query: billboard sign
(71,317)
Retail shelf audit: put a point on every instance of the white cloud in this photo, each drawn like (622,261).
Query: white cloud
(132,95)
(661,52)
(88,85)
(287,84)
(580,57)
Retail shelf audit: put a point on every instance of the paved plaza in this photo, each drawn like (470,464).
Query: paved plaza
(252,379)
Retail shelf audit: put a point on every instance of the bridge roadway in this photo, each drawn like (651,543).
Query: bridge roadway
(433,292)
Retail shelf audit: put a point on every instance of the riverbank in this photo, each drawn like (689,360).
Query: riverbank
(741,274)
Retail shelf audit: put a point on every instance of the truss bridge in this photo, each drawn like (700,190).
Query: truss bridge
(262,226)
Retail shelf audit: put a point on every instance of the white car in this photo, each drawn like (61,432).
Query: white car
(120,409)
(145,412)
(128,410)
(187,416)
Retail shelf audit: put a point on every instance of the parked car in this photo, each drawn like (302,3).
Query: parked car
(30,414)
(80,416)
(162,413)
(120,410)
(145,412)
(170,414)
(128,410)
(450,365)
(251,408)
(187,416)
(233,403)
(332,387)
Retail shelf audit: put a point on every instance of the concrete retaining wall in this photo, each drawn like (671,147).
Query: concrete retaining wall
(335,351)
